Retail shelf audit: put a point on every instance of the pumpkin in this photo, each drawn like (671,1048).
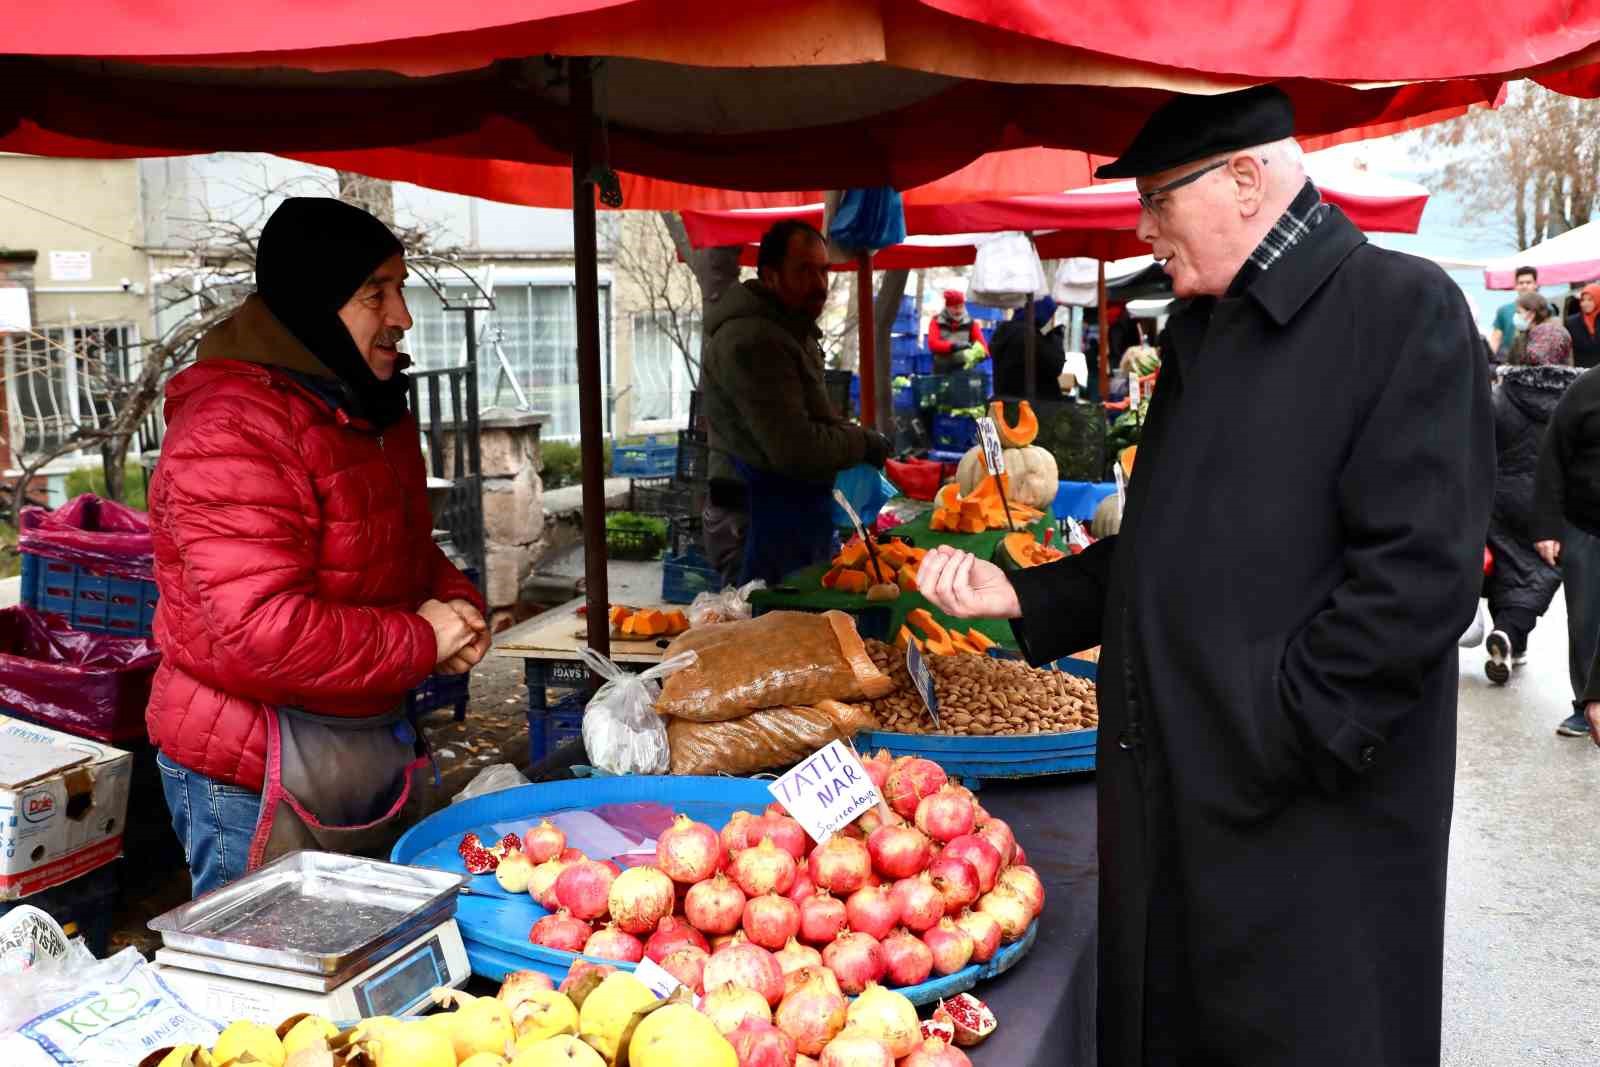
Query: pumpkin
(1022,549)
(1022,434)
(1032,477)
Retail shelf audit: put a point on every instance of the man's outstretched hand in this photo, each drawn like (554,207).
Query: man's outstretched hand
(960,584)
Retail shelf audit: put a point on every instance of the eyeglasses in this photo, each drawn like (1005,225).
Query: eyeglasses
(1147,200)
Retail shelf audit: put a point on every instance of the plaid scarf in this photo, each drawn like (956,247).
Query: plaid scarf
(1303,216)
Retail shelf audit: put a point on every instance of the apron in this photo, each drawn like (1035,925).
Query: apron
(334,784)
(791,524)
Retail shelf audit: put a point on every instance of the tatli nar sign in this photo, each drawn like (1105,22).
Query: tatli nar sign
(827,791)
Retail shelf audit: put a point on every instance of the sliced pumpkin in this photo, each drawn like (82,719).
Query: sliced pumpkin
(677,622)
(853,554)
(959,642)
(907,578)
(980,640)
(1020,435)
(852,582)
(949,497)
(941,520)
(619,615)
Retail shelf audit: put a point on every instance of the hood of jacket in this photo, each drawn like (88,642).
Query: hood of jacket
(752,300)
(1536,390)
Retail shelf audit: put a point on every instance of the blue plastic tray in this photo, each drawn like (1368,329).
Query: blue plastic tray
(495,924)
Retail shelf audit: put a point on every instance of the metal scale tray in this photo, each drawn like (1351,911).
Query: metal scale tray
(318,913)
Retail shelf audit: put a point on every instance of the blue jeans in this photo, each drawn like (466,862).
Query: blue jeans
(215,822)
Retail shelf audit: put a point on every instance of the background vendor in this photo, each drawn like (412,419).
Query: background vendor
(294,550)
(776,440)
(952,332)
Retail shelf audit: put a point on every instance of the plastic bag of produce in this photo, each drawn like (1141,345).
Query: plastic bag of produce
(762,740)
(621,732)
(729,605)
(781,658)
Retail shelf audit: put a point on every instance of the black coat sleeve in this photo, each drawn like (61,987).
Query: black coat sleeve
(1063,603)
(1550,485)
(1414,497)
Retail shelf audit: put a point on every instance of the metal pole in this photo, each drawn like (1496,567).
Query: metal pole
(1030,352)
(865,326)
(587,267)
(1105,339)
(480,553)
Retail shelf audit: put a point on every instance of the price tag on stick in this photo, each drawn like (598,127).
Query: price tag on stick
(828,791)
(994,457)
(917,667)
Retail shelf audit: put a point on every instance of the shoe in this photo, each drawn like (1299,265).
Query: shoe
(1519,659)
(1574,725)
(1498,669)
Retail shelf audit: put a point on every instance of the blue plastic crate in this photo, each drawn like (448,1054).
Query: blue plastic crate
(954,433)
(908,306)
(548,727)
(652,459)
(903,345)
(904,323)
(928,390)
(905,400)
(687,576)
(84,906)
(922,362)
(439,691)
(986,314)
(86,599)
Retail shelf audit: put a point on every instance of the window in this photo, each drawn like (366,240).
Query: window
(661,382)
(61,378)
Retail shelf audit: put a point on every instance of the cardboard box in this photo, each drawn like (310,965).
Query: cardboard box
(63,802)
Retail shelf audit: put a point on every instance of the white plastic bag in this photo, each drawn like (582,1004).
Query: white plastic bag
(621,731)
(1476,630)
(491,779)
(730,605)
(1006,272)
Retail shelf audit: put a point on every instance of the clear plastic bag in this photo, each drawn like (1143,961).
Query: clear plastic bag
(491,779)
(621,731)
(730,605)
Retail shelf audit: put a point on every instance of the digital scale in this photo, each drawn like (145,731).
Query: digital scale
(338,936)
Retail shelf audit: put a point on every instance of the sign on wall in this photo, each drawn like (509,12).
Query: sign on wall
(71,266)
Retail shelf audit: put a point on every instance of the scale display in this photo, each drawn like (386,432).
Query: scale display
(402,985)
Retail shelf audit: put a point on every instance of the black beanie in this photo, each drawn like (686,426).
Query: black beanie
(313,255)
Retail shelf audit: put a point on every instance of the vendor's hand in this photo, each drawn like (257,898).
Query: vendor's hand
(451,632)
(470,656)
(1592,713)
(879,448)
(1549,551)
(960,584)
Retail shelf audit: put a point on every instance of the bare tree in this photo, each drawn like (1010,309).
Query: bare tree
(673,289)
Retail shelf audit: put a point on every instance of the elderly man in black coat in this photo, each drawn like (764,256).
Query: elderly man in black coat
(1301,548)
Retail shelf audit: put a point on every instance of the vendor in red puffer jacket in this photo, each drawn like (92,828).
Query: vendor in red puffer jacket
(293,541)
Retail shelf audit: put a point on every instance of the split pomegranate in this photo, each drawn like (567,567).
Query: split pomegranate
(477,858)
(945,815)
(956,880)
(935,1053)
(942,1029)
(1025,881)
(911,779)
(840,865)
(970,1017)
(640,898)
(771,921)
(784,832)
(898,850)
(736,834)
(544,842)
(1010,909)
(803,886)
(584,888)
(856,1048)
(983,856)
(714,906)
(542,883)
(906,960)
(985,933)
(886,1015)
(745,964)
(794,956)
(998,833)
(822,917)
(872,910)
(611,942)
(672,933)
(811,1012)
(918,901)
(729,1005)
(759,1044)
(855,959)
(561,931)
(951,947)
(764,868)
(688,851)
(687,964)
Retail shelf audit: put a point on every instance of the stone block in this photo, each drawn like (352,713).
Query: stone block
(513,508)
(508,566)
(508,441)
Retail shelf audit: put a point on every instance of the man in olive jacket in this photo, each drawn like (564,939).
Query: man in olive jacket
(1301,547)
(776,440)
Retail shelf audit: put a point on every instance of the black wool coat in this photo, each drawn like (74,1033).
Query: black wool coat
(1301,548)
(1524,402)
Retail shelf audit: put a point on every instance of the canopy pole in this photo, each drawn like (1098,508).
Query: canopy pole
(868,367)
(587,277)
(1030,352)
(1105,339)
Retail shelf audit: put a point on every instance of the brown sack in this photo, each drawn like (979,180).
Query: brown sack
(768,739)
(781,658)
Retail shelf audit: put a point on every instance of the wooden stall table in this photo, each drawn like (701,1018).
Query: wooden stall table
(548,646)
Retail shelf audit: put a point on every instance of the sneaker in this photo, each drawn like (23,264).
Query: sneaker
(1574,725)
(1519,659)
(1498,669)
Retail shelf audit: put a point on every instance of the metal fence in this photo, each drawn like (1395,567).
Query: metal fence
(446,405)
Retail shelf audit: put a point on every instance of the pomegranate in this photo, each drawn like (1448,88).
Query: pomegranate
(584,888)
(741,963)
(855,959)
(872,910)
(840,865)
(877,767)
(856,1048)
(951,947)
(969,1017)
(918,901)
(943,1029)
(888,1016)
(812,1012)
(998,833)
(771,921)
(571,855)
(829,979)
(985,933)
(823,916)
(983,856)
(722,941)
(934,1052)
(672,933)
(544,842)
(898,850)
(687,964)
(911,779)
(1010,909)
(688,851)
(714,906)
(735,835)
(729,1005)
(513,872)
(478,858)
(784,832)
(561,931)
(764,868)
(640,898)
(956,880)
(759,1044)
(907,961)
(870,820)
(1025,881)
(794,956)
(542,883)
(803,886)
(580,968)
(611,942)
(945,815)
(1021,857)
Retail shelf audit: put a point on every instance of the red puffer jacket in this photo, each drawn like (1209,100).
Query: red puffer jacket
(292,548)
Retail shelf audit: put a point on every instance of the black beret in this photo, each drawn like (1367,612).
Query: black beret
(1187,128)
